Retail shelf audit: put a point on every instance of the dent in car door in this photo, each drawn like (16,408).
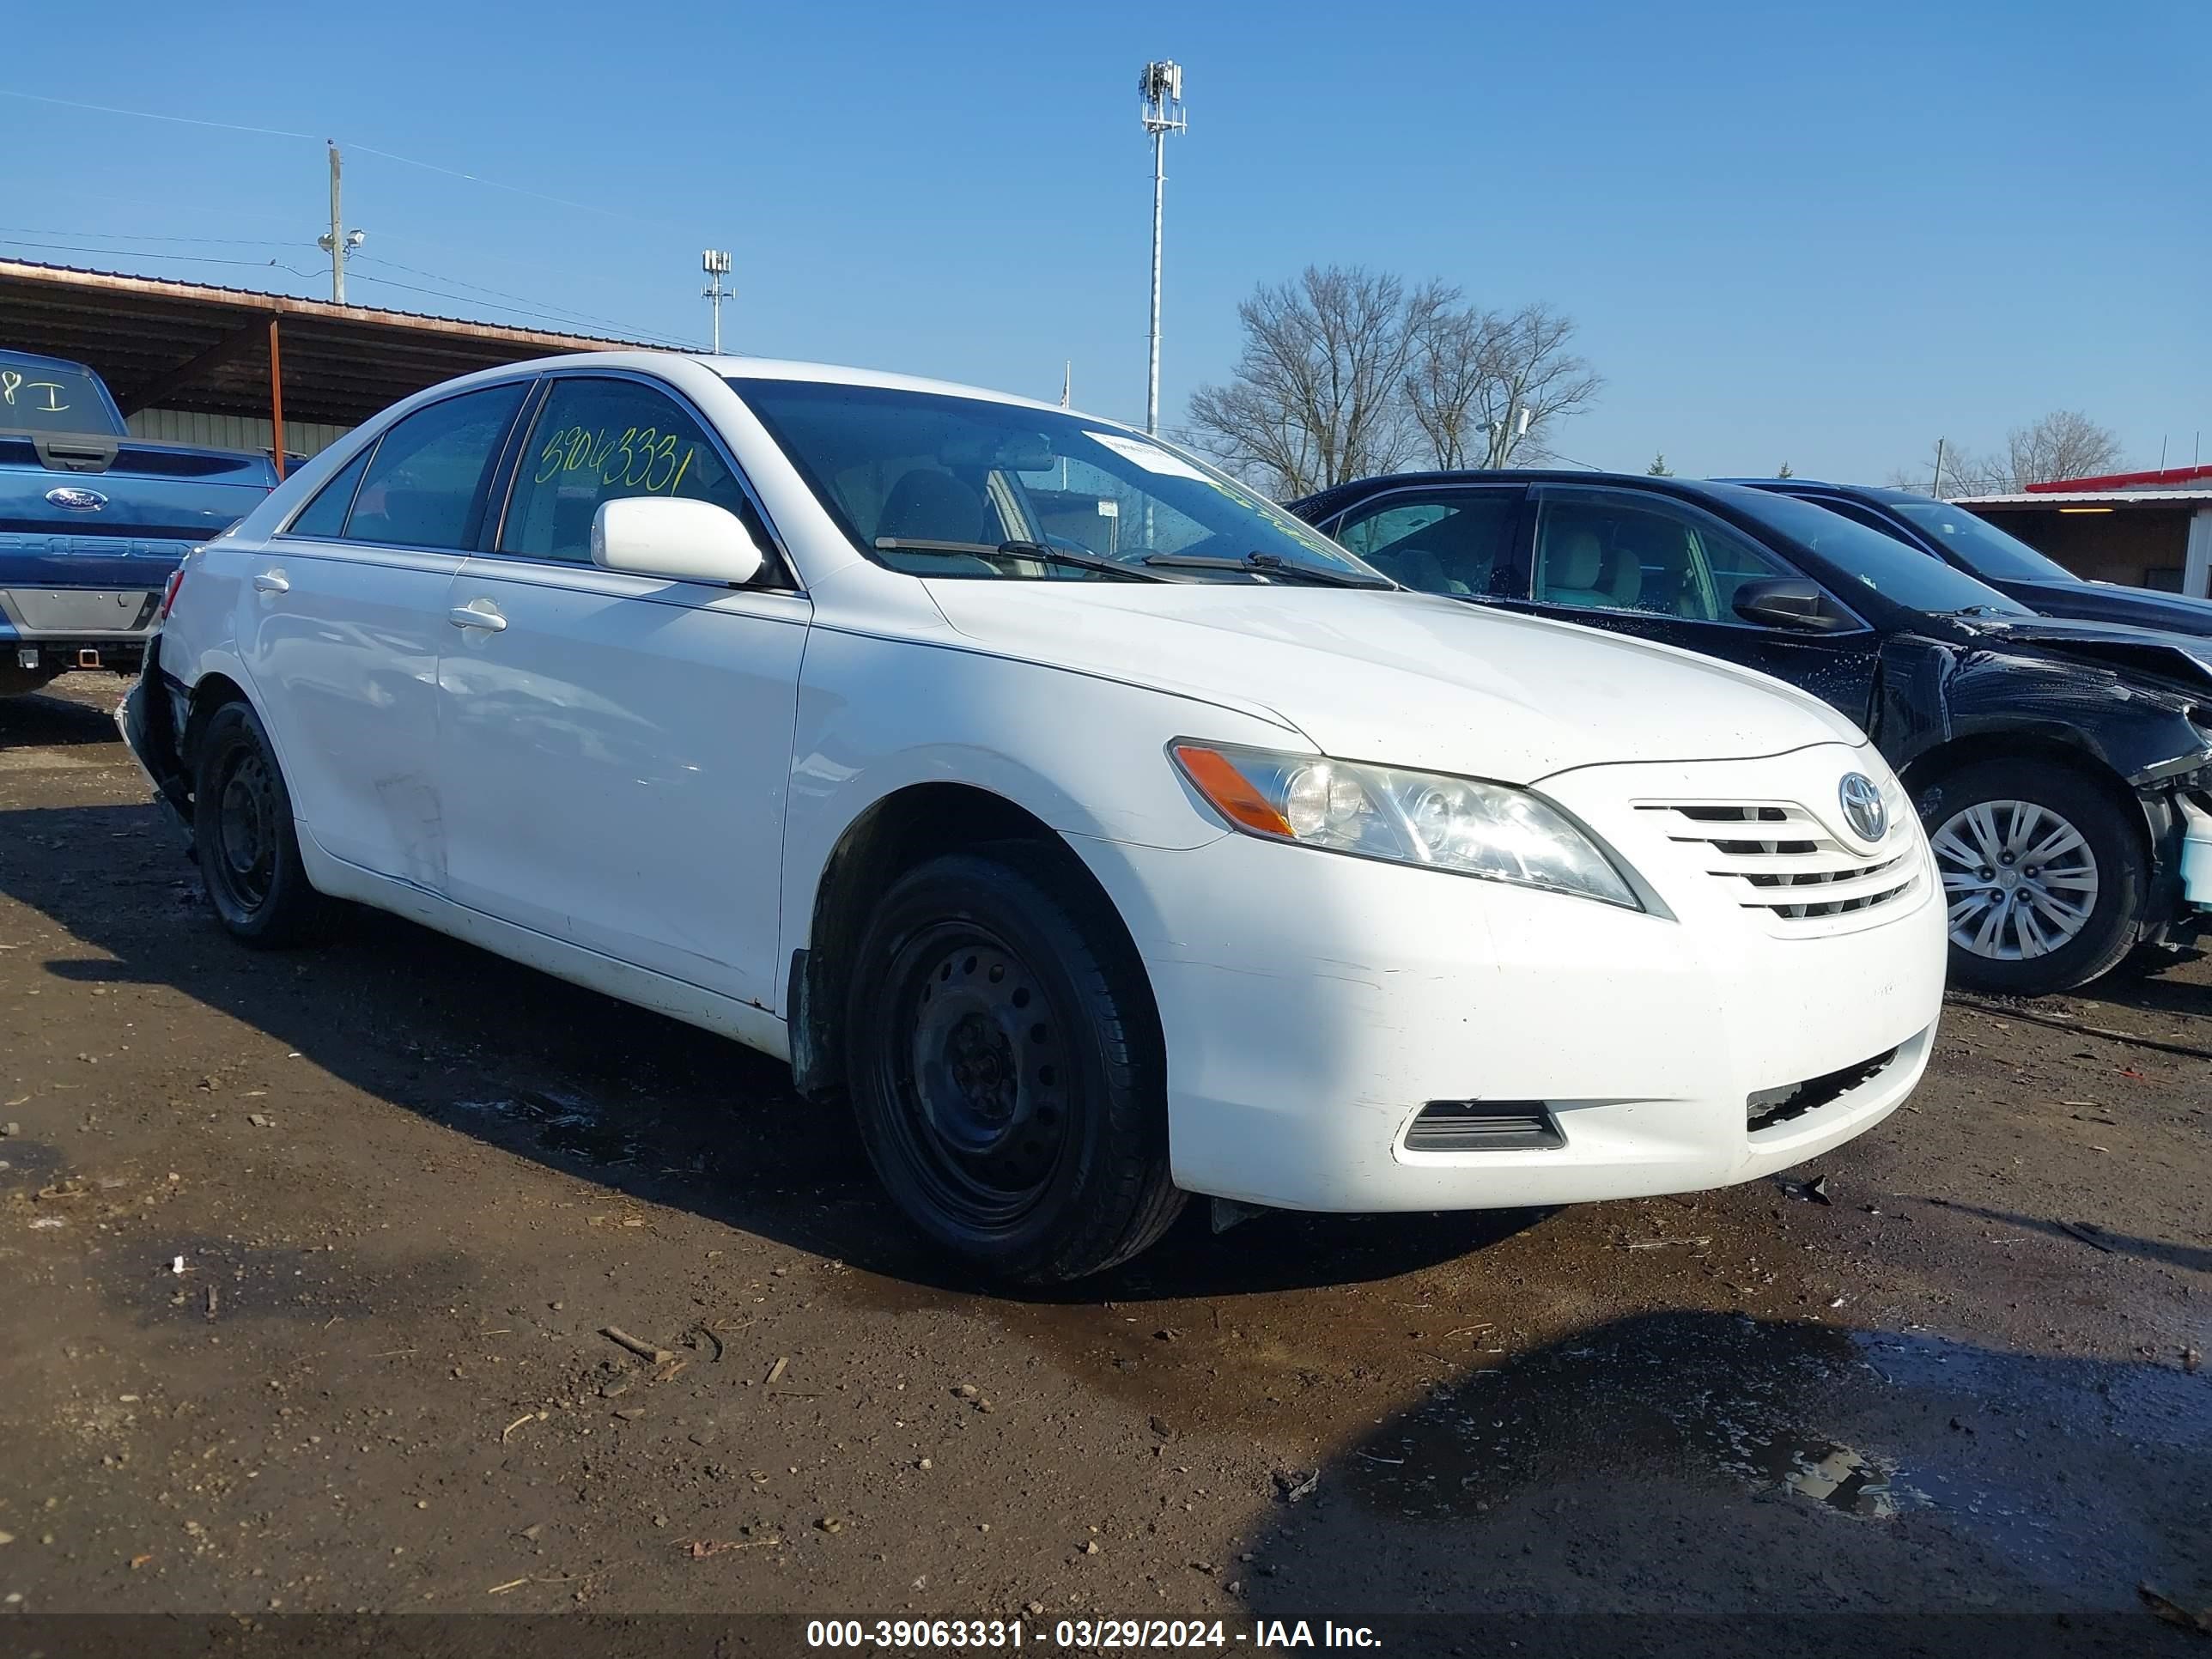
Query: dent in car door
(615,749)
(1664,569)
(344,618)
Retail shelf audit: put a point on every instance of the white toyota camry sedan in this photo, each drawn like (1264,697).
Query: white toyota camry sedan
(1101,833)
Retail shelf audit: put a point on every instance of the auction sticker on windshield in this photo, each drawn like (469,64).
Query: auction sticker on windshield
(1151,457)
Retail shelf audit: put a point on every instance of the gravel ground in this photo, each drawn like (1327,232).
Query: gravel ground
(306,1261)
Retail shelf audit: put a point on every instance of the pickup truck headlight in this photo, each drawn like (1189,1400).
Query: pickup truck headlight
(1489,831)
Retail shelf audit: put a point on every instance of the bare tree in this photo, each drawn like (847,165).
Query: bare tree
(1536,373)
(2064,444)
(1487,385)
(1317,395)
(1964,473)
(1445,391)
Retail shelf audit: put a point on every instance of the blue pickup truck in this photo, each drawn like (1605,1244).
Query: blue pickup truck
(92,521)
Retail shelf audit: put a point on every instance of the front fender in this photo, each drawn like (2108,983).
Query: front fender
(1086,756)
(1937,693)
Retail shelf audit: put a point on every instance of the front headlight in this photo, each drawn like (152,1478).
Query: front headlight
(1471,828)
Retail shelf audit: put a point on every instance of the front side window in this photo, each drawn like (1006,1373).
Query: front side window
(1452,541)
(424,486)
(935,484)
(600,441)
(1606,550)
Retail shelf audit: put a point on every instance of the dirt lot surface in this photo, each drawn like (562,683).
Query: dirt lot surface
(306,1261)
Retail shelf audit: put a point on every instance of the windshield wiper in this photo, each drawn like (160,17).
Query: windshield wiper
(1019,549)
(1265,564)
(1981,611)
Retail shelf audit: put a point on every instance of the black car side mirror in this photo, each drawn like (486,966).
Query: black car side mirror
(1786,602)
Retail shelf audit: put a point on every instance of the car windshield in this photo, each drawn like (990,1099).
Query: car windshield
(934,484)
(1904,576)
(1981,546)
(49,396)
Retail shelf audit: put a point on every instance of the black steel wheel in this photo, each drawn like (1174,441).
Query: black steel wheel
(1006,1067)
(242,831)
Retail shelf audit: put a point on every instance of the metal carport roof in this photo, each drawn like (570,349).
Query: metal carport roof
(188,345)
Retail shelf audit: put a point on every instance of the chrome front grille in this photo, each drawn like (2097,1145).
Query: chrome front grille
(1777,858)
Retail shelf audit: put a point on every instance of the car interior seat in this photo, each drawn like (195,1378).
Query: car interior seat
(1574,567)
(930,504)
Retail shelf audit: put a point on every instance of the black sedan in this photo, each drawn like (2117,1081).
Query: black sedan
(2058,765)
(1973,544)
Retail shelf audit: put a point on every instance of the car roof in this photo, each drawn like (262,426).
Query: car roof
(776,368)
(1859,492)
(1710,489)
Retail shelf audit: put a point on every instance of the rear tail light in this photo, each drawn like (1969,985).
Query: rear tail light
(169,592)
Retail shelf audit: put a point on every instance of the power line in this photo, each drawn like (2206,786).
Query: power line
(367,149)
(148,236)
(546,308)
(182,258)
(520,311)
(148,115)
(518,190)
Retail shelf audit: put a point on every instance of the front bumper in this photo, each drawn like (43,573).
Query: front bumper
(2196,856)
(1313,1004)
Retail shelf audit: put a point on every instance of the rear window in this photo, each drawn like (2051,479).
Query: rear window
(325,515)
(44,396)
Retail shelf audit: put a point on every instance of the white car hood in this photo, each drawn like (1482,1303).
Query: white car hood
(1407,679)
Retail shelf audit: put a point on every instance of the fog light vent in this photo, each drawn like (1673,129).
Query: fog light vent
(1482,1126)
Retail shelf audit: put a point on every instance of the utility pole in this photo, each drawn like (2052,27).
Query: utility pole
(1161,86)
(1935,488)
(338,241)
(716,264)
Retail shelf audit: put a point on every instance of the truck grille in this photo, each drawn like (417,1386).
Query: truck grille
(1777,858)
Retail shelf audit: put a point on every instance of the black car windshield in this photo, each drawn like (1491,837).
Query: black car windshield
(40,395)
(1981,546)
(934,484)
(1905,576)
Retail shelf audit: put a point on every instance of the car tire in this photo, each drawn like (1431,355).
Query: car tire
(1007,1069)
(243,835)
(1985,823)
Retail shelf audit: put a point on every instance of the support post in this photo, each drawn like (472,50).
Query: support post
(276,393)
(1159,191)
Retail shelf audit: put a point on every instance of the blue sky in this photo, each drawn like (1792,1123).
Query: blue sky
(1820,234)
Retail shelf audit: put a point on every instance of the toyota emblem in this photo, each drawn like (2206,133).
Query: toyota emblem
(1863,806)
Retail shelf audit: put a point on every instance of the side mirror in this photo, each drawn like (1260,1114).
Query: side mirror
(684,541)
(1786,602)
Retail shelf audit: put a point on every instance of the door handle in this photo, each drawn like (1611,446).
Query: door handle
(481,613)
(271,581)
